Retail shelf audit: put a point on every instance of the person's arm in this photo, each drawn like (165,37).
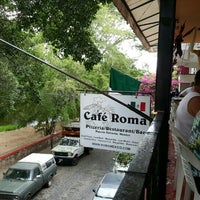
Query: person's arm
(194,105)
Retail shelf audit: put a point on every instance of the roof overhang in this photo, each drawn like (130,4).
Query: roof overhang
(143,17)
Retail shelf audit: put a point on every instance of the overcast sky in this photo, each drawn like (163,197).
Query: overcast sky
(145,59)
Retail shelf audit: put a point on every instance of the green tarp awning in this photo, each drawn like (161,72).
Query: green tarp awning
(122,82)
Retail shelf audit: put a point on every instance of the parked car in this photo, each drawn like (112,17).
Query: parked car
(108,186)
(26,177)
(68,150)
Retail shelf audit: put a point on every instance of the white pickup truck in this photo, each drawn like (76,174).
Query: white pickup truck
(68,150)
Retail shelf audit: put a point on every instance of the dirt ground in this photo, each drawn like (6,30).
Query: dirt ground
(11,140)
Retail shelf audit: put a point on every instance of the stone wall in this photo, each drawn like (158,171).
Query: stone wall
(11,157)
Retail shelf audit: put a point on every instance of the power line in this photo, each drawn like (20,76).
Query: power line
(79,80)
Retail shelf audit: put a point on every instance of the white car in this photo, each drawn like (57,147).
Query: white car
(68,150)
(108,186)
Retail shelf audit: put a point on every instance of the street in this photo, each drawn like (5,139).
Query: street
(77,182)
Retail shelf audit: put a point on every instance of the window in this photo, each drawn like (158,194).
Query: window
(36,172)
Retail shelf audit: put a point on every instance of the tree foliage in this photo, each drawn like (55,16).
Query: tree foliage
(9,92)
(40,93)
(64,23)
(109,36)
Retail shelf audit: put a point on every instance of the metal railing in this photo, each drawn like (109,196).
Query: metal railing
(146,176)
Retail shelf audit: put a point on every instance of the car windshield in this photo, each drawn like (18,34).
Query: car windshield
(106,192)
(69,142)
(17,174)
(109,185)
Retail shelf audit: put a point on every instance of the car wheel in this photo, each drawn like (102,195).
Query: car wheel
(49,183)
(28,197)
(75,160)
(86,151)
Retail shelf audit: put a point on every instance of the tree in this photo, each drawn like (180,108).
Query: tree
(58,97)
(148,85)
(46,95)
(109,36)
(65,24)
(112,32)
(8,91)
(28,83)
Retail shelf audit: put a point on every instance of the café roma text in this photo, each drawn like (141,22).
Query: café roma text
(114,118)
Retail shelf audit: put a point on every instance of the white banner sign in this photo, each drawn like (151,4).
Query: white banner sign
(106,124)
